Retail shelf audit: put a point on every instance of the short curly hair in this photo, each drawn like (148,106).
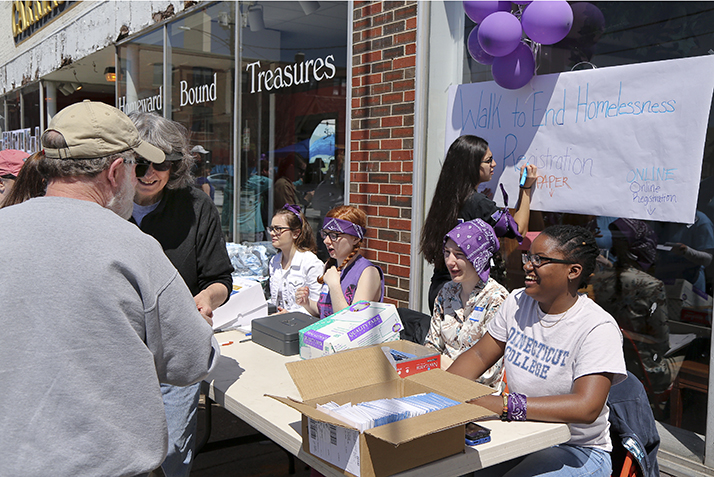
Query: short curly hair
(172,138)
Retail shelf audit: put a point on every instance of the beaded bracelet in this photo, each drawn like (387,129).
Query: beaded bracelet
(517,407)
(504,414)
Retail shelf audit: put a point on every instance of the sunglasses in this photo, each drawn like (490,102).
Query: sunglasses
(142,167)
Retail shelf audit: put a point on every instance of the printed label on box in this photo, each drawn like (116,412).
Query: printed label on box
(315,339)
(337,445)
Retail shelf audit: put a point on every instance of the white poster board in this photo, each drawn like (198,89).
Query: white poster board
(622,141)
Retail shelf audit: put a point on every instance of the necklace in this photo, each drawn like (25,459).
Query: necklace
(542,323)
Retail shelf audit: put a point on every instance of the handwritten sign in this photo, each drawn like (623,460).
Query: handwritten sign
(622,141)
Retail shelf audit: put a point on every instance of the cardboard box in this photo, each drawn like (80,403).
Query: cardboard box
(424,358)
(280,332)
(365,374)
(687,303)
(246,303)
(361,324)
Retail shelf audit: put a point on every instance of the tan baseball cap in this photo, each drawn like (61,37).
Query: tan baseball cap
(93,129)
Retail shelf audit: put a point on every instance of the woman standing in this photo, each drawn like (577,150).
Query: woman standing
(468,163)
(468,302)
(348,277)
(295,265)
(562,353)
(186,223)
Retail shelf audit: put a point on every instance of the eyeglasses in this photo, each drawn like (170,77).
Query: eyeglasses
(277,229)
(329,233)
(488,161)
(142,167)
(539,260)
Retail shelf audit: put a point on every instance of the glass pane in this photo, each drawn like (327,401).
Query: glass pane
(655,278)
(140,78)
(293,113)
(202,84)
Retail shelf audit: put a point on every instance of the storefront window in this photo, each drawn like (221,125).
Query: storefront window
(654,277)
(140,78)
(293,116)
(202,64)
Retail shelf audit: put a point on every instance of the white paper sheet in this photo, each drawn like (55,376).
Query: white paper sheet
(621,141)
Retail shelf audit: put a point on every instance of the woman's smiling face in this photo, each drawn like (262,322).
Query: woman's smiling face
(150,186)
(550,280)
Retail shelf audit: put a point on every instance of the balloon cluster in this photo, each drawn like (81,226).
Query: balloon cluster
(498,37)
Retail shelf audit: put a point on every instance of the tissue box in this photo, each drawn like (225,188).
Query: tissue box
(361,324)
(412,358)
(246,302)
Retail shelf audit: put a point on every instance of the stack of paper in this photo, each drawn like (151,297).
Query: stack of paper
(367,415)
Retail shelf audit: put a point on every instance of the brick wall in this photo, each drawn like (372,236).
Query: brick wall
(382,128)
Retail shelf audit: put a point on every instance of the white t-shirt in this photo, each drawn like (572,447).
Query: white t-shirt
(304,270)
(545,354)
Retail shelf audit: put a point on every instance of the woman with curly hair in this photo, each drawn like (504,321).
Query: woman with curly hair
(348,276)
(186,223)
(562,352)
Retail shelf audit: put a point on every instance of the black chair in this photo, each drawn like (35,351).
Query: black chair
(416,325)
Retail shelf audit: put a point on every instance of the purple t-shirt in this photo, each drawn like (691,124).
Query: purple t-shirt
(348,279)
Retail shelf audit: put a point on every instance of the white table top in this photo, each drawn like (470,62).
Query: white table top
(248,371)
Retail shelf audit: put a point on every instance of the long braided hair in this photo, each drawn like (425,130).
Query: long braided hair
(578,245)
(357,217)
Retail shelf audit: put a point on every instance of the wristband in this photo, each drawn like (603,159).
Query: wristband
(521,187)
(517,407)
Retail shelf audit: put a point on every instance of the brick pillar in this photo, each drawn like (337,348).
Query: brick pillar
(382,129)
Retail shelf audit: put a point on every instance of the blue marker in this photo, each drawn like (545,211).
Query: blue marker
(525,175)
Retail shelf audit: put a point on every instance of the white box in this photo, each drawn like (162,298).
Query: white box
(246,303)
(364,323)
(683,296)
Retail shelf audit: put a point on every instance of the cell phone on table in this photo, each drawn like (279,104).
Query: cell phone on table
(477,434)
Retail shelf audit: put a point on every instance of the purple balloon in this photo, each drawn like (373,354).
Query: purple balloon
(515,70)
(499,33)
(477,10)
(547,21)
(475,49)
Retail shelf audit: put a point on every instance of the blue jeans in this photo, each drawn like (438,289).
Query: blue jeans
(181,408)
(559,461)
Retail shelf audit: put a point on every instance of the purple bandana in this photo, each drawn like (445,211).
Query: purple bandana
(478,242)
(295,209)
(332,224)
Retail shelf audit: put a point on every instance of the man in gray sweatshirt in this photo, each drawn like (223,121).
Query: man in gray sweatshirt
(94,314)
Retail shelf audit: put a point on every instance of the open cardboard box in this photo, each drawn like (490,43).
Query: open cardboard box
(364,374)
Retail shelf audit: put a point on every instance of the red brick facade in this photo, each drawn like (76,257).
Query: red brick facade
(382,129)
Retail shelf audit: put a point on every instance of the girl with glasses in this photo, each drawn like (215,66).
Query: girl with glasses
(468,302)
(295,265)
(562,352)
(348,276)
(468,163)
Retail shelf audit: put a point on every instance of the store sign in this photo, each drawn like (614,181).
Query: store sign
(144,105)
(623,141)
(30,16)
(198,94)
(288,75)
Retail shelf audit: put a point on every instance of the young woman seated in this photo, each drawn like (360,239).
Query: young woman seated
(295,265)
(469,301)
(562,353)
(348,277)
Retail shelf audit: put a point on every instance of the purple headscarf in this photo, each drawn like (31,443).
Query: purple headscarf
(333,224)
(478,241)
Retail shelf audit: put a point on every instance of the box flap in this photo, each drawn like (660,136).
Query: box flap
(409,429)
(310,411)
(450,385)
(340,372)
